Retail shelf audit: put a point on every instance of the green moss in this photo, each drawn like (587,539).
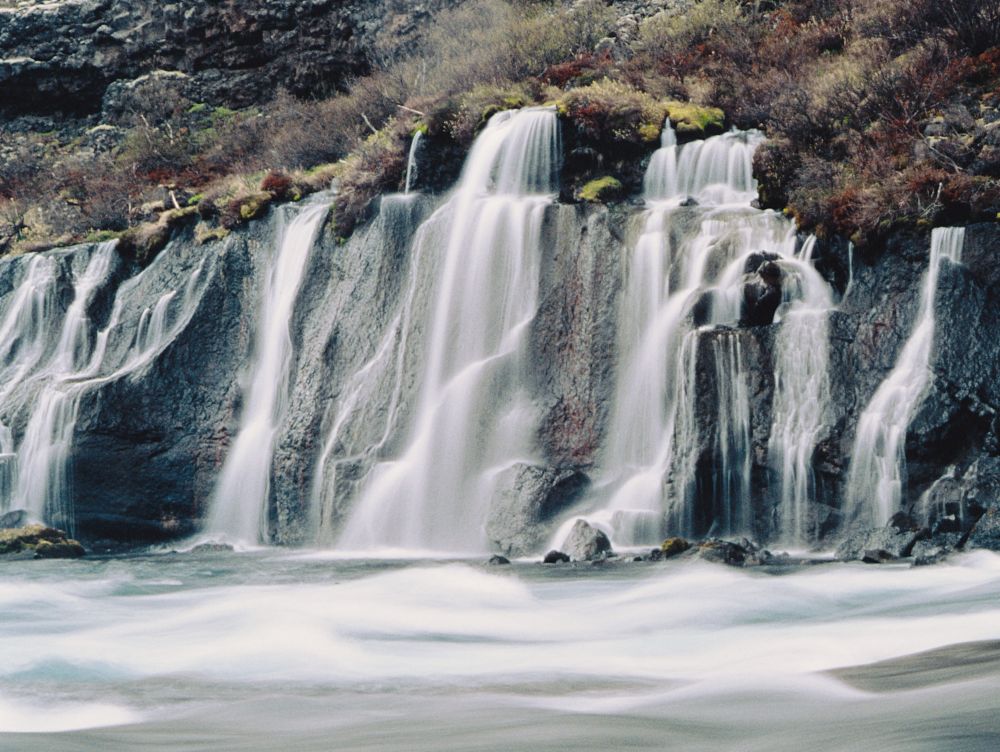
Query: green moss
(195,199)
(601,190)
(673,546)
(101,236)
(251,207)
(197,107)
(650,131)
(205,233)
(692,119)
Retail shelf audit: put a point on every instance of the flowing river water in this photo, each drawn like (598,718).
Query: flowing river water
(285,649)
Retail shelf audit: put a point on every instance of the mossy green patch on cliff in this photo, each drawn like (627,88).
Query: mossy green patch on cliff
(613,112)
(601,190)
(691,119)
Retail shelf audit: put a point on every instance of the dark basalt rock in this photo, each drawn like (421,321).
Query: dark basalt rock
(555,557)
(61,58)
(744,553)
(13,518)
(761,294)
(986,533)
(498,560)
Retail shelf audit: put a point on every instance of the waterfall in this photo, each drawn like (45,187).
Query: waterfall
(481,252)
(683,288)
(411,161)
(801,397)
(239,503)
(42,485)
(878,468)
(64,368)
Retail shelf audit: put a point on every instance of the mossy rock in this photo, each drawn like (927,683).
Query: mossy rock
(251,207)
(691,119)
(205,233)
(67,549)
(601,190)
(44,542)
(674,546)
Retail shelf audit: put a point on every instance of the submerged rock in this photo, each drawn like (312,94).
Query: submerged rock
(203,548)
(498,560)
(13,518)
(587,543)
(555,557)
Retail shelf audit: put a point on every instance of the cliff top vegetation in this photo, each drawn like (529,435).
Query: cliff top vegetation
(879,115)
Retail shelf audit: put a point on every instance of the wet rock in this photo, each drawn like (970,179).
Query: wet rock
(586,543)
(761,295)
(895,540)
(528,496)
(39,541)
(742,553)
(555,557)
(498,560)
(68,549)
(877,556)
(212,548)
(926,552)
(13,518)
(655,554)
(986,533)
(673,547)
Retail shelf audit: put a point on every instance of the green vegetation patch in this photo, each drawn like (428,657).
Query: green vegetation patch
(601,190)
(696,120)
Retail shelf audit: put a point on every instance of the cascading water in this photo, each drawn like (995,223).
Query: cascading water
(411,161)
(470,420)
(42,486)
(801,398)
(878,468)
(66,367)
(689,263)
(239,503)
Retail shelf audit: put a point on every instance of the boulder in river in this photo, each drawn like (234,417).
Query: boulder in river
(41,541)
(555,557)
(586,542)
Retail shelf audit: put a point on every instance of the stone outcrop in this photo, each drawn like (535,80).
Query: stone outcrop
(148,445)
(72,57)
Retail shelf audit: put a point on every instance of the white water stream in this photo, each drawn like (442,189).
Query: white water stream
(685,254)
(878,469)
(239,505)
(276,650)
(470,419)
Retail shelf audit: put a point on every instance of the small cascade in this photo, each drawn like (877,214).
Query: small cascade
(411,161)
(878,468)
(481,254)
(63,368)
(801,397)
(23,341)
(239,503)
(42,487)
(684,290)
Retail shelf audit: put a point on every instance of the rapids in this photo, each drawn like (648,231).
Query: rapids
(306,651)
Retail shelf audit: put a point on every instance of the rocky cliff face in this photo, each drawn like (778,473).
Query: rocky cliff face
(149,441)
(75,57)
